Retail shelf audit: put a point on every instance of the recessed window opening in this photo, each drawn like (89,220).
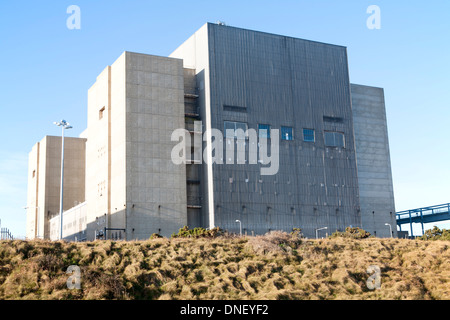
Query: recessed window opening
(100,113)
(334,139)
(309,135)
(287,133)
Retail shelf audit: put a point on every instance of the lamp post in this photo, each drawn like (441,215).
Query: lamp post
(390,227)
(240,227)
(36,231)
(65,125)
(317,236)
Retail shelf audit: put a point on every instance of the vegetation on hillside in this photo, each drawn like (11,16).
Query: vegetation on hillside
(436,234)
(352,233)
(275,266)
(185,232)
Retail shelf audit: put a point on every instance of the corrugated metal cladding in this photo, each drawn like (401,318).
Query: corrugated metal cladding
(261,78)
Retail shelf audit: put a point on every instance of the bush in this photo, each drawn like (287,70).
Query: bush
(297,232)
(275,241)
(156,236)
(353,233)
(436,234)
(185,232)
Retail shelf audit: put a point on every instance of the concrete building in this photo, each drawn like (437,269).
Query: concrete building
(333,158)
(376,191)
(131,182)
(44,181)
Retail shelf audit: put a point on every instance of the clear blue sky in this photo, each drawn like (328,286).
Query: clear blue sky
(46,70)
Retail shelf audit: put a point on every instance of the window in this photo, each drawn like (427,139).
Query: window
(334,139)
(286,133)
(309,135)
(234,108)
(264,131)
(333,119)
(230,125)
(100,113)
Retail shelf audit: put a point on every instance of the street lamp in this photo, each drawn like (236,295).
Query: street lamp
(390,227)
(240,227)
(317,236)
(36,231)
(65,125)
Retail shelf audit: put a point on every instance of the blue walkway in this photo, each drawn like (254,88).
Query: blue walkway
(423,215)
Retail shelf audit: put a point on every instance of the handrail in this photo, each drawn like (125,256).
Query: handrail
(424,210)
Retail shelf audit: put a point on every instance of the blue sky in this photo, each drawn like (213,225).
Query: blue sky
(46,70)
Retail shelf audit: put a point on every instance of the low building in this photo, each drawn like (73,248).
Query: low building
(44,181)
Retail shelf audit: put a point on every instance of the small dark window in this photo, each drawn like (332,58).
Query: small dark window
(333,119)
(287,133)
(234,108)
(309,135)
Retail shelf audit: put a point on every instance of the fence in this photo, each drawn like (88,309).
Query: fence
(114,234)
(5,234)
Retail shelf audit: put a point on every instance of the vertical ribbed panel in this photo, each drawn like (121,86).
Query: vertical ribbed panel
(283,81)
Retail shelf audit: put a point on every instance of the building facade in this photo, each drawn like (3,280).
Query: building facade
(376,191)
(44,181)
(327,163)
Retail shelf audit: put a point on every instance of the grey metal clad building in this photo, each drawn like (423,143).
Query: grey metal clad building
(257,80)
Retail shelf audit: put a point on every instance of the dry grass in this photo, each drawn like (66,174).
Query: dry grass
(275,266)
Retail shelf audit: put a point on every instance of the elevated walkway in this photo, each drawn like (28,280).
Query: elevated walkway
(423,215)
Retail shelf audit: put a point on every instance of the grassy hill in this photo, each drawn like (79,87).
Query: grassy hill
(275,266)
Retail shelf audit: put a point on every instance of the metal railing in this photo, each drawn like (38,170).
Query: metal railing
(442,208)
(5,234)
(423,215)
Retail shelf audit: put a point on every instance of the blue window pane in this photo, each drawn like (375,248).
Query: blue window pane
(286,133)
(308,135)
(264,131)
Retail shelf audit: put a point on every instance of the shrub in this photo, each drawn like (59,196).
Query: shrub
(185,232)
(297,232)
(156,236)
(353,233)
(436,234)
(274,241)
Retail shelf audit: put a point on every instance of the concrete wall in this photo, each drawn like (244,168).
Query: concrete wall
(117,133)
(98,153)
(373,159)
(44,184)
(33,211)
(156,187)
(132,181)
